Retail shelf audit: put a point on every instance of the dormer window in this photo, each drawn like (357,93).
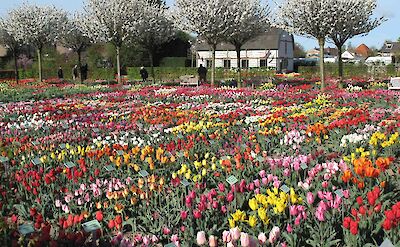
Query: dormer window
(389,46)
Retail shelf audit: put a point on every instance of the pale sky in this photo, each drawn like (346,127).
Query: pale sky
(389,30)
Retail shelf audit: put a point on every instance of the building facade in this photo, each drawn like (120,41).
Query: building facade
(273,50)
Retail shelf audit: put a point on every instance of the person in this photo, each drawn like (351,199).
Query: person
(84,72)
(60,73)
(144,74)
(75,72)
(202,71)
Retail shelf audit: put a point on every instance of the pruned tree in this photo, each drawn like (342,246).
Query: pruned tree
(155,29)
(209,20)
(311,18)
(353,18)
(249,19)
(37,26)
(8,40)
(113,21)
(75,36)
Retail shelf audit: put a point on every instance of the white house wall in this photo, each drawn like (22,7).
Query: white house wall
(254,57)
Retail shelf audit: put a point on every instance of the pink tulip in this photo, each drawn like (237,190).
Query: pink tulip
(221,187)
(235,233)
(166,231)
(262,238)
(264,181)
(244,239)
(257,183)
(146,240)
(184,215)
(197,214)
(224,209)
(213,241)
(262,173)
(274,234)
(175,238)
(226,236)
(201,238)
(289,228)
(230,244)
(230,197)
(310,198)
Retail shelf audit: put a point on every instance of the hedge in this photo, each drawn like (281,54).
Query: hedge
(350,70)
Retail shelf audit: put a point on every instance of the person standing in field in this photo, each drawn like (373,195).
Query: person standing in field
(202,71)
(75,73)
(144,74)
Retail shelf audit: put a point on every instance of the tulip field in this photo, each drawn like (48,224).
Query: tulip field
(203,166)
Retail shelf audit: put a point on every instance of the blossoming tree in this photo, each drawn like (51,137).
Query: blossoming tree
(75,36)
(10,42)
(353,17)
(311,18)
(113,21)
(250,18)
(154,29)
(208,19)
(37,26)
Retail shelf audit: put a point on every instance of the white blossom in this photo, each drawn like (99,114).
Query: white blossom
(36,25)
(208,19)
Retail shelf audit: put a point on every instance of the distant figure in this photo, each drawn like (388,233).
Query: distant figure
(75,72)
(144,74)
(60,73)
(84,72)
(202,71)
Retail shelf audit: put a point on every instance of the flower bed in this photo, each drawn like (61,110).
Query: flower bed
(202,166)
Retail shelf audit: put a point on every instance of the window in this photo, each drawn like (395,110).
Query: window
(209,63)
(245,63)
(227,64)
(389,46)
(263,63)
(285,47)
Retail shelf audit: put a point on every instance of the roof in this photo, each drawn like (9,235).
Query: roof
(395,47)
(266,41)
(362,50)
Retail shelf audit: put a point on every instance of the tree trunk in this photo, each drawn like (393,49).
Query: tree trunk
(118,65)
(213,48)
(39,53)
(340,63)
(238,48)
(80,65)
(321,42)
(15,66)
(151,57)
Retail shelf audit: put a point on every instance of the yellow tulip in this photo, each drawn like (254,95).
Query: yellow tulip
(253,204)
(252,221)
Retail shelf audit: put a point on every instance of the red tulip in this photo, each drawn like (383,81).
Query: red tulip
(99,215)
(111,224)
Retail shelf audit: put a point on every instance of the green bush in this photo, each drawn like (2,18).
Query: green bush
(173,73)
(350,70)
(173,62)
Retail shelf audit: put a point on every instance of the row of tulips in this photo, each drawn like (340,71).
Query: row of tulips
(173,166)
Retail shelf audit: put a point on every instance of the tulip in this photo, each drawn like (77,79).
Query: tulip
(197,214)
(235,233)
(274,234)
(262,238)
(146,240)
(244,239)
(201,238)
(289,228)
(226,236)
(184,215)
(230,197)
(166,231)
(310,198)
(213,241)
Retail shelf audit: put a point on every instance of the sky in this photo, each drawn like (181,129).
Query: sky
(389,30)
